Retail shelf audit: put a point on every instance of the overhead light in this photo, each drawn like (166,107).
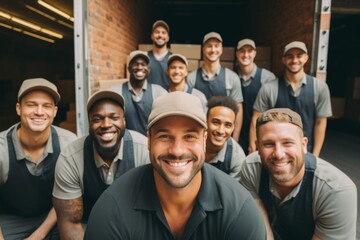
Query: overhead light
(5,15)
(31,25)
(27,33)
(49,17)
(55,10)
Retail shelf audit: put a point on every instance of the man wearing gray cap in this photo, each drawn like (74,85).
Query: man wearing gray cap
(138,92)
(89,165)
(177,196)
(159,53)
(252,77)
(28,153)
(177,71)
(214,80)
(302,196)
(306,95)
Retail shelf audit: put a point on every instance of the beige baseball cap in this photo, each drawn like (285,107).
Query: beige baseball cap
(295,44)
(177,104)
(39,84)
(177,56)
(279,115)
(212,35)
(245,42)
(161,23)
(138,53)
(105,94)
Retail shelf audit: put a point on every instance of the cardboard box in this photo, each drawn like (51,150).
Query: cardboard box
(145,47)
(263,64)
(263,54)
(227,64)
(228,54)
(193,64)
(69,126)
(105,84)
(71,116)
(190,51)
(338,107)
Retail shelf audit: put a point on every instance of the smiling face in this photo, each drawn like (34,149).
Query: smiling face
(282,148)
(177,150)
(246,55)
(294,60)
(177,72)
(212,50)
(106,127)
(160,36)
(221,123)
(37,111)
(139,68)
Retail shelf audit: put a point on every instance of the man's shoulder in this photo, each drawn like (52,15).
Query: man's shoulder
(62,132)
(330,176)
(76,147)
(137,137)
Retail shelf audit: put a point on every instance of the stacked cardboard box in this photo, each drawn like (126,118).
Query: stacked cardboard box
(70,122)
(191,51)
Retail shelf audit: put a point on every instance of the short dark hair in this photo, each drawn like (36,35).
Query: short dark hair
(222,101)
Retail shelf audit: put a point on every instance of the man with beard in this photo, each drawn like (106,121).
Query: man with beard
(28,153)
(138,92)
(87,167)
(214,80)
(159,54)
(301,196)
(300,92)
(177,196)
(222,151)
(252,77)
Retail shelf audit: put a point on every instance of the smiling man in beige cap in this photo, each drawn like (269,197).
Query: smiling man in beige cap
(138,92)
(28,153)
(159,53)
(214,80)
(302,196)
(177,196)
(306,95)
(252,77)
(87,167)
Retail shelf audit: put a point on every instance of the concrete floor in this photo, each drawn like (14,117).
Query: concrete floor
(342,149)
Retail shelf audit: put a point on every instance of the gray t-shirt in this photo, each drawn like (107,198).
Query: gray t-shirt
(267,97)
(232,83)
(266,76)
(334,197)
(237,159)
(65,138)
(69,168)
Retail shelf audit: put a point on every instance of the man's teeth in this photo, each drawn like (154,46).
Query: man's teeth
(107,135)
(177,164)
(281,164)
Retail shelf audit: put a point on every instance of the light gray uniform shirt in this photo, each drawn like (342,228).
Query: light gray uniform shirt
(69,170)
(232,82)
(334,197)
(266,76)
(237,159)
(267,97)
(65,138)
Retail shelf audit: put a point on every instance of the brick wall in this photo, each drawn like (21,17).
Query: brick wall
(281,22)
(115,27)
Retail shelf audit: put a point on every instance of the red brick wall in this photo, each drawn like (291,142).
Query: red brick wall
(281,22)
(115,27)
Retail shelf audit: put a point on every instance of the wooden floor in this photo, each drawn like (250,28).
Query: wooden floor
(342,149)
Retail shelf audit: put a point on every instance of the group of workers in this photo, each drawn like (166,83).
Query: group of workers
(210,154)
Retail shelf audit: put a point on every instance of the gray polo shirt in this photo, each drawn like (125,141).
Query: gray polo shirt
(334,197)
(157,90)
(266,76)
(232,82)
(267,96)
(65,138)
(237,159)
(69,168)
